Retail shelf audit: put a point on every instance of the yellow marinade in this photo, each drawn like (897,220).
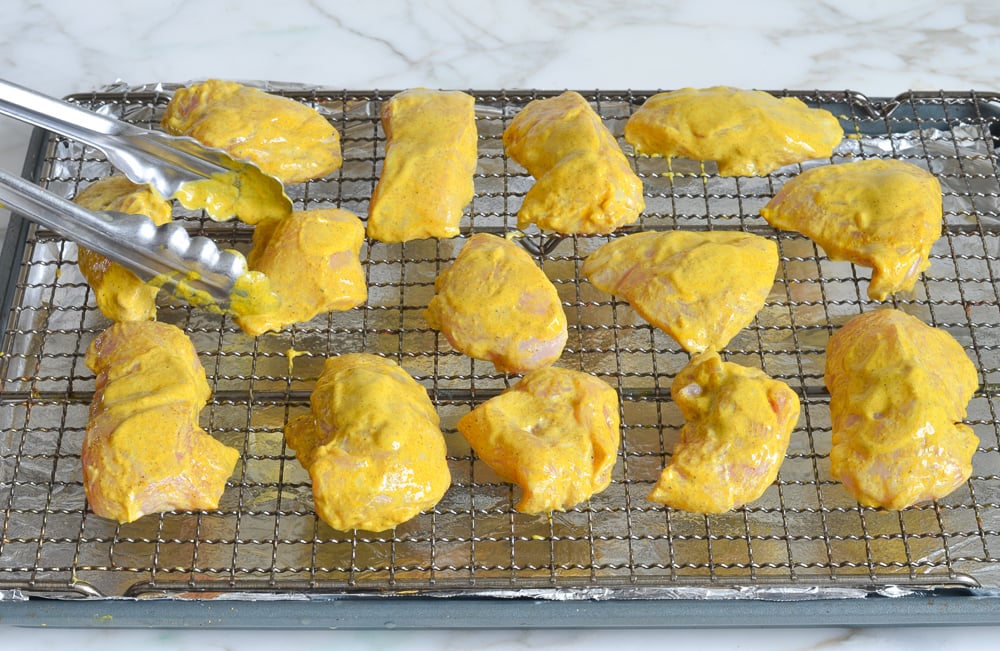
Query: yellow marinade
(739,424)
(883,214)
(143,451)
(583,182)
(248,195)
(701,288)
(311,259)
(746,132)
(898,391)
(371,443)
(555,434)
(494,303)
(285,138)
(250,296)
(430,158)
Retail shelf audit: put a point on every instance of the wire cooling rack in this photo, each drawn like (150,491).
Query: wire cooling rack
(804,536)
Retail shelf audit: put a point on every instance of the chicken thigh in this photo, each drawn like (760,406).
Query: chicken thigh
(311,259)
(739,423)
(119,293)
(583,182)
(430,159)
(884,214)
(495,304)
(285,138)
(143,451)
(555,434)
(701,288)
(746,132)
(371,444)
(898,389)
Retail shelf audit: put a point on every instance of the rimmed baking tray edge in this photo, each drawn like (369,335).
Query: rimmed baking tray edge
(860,606)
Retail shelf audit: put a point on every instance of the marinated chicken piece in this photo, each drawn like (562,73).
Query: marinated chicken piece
(143,451)
(430,158)
(495,304)
(371,444)
(701,288)
(746,132)
(120,294)
(583,182)
(883,214)
(898,389)
(312,260)
(555,434)
(739,423)
(286,139)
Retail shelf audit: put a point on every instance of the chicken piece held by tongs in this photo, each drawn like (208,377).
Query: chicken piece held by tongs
(199,177)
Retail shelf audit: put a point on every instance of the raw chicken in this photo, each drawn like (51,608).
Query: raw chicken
(746,132)
(311,259)
(119,293)
(884,214)
(583,182)
(430,157)
(371,444)
(700,287)
(898,388)
(286,139)
(555,434)
(739,422)
(143,451)
(495,304)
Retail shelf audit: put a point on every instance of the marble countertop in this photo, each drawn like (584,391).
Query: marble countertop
(878,48)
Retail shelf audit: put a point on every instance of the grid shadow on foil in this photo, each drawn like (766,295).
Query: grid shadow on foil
(805,529)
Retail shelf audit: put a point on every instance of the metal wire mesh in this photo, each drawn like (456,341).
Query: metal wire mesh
(804,531)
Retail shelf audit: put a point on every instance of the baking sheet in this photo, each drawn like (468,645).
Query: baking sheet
(806,538)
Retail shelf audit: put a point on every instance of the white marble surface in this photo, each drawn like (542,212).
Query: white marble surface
(879,48)
(825,639)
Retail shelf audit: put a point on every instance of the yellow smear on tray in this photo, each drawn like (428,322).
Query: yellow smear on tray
(291,353)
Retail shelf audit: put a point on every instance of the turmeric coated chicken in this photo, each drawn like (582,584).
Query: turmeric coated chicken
(746,132)
(494,303)
(430,159)
(701,288)
(898,389)
(312,261)
(583,182)
(119,293)
(285,138)
(371,444)
(555,434)
(739,423)
(143,451)
(884,214)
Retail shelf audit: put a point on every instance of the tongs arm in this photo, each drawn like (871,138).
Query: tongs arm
(56,115)
(177,167)
(192,268)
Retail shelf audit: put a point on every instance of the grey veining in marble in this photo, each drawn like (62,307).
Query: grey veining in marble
(879,48)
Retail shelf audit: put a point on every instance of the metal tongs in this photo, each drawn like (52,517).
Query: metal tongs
(177,167)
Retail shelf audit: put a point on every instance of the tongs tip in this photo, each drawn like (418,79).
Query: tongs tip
(227,187)
(239,293)
(249,194)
